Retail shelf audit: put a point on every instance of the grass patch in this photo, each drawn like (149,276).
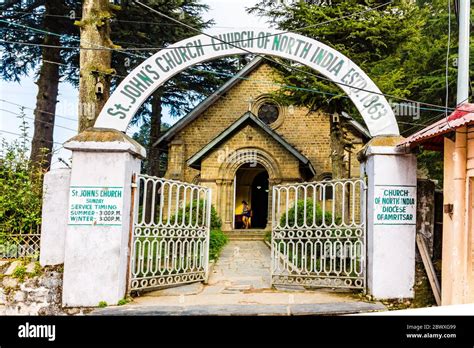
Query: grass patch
(20,272)
(102,304)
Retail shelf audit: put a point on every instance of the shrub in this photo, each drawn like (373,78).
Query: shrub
(216,222)
(20,186)
(217,240)
(309,215)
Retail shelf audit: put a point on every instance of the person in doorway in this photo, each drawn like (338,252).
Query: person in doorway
(246,214)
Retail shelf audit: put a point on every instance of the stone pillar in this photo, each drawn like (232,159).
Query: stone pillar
(98,231)
(54,216)
(391,217)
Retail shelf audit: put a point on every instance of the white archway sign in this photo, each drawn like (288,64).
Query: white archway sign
(156,70)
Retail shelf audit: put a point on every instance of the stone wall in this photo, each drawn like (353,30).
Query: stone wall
(26,288)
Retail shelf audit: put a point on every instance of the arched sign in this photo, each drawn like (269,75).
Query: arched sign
(154,71)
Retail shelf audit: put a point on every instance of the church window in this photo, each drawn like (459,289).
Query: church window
(268,112)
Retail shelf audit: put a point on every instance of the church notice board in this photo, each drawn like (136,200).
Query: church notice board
(91,205)
(394,205)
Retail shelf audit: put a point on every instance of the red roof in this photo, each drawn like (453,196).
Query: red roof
(432,137)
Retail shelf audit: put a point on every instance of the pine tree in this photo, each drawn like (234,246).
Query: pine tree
(49,18)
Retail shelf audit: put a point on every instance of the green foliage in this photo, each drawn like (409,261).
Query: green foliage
(192,214)
(432,162)
(268,236)
(19,272)
(13,64)
(20,186)
(122,302)
(217,241)
(102,304)
(401,46)
(311,210)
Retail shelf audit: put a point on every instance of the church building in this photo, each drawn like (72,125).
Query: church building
(240,142)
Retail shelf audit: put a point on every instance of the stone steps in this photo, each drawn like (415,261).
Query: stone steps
(247,235)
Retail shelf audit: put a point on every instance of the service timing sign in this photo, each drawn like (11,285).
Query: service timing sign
(95,206)
(156,70)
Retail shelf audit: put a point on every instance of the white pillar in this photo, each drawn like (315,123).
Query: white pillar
(98,232)
(54,216)
(391,218)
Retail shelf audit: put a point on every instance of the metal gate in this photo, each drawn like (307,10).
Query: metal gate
(319,234)
(170,240)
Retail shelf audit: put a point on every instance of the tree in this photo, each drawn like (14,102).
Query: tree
(402,46)
(49,17)
(377,40)
(136,27)
(95,60)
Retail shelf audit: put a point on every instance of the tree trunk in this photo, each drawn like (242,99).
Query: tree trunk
(154,167)
(95,65)
(46,99)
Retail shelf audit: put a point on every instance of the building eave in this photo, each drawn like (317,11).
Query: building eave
(195,160)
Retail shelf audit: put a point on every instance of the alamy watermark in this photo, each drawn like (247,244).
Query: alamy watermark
(37,331)
(227,155)
(406,109)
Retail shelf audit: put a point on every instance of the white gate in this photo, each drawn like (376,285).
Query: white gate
(170,241)
(319,234)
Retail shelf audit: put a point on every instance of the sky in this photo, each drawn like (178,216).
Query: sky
(225,13)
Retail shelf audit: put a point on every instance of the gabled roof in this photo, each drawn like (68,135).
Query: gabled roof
(206,103)
(247,118)
(432,137)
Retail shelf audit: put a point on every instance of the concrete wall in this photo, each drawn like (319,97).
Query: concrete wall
(54,216)
(390,247)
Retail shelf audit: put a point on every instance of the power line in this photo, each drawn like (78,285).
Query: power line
(23,135)
(279,63)
(262,56)
(223,27)
(42,111)
(45,122)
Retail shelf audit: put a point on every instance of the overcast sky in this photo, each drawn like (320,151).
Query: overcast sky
(226,14)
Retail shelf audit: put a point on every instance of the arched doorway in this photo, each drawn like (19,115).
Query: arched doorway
(251,185)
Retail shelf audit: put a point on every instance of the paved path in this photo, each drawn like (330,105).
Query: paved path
(242,265)
(239,284)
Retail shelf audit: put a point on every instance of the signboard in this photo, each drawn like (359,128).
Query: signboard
(90,205)
(157,69)
(395,205)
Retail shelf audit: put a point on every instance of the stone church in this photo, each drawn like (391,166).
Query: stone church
(240,142)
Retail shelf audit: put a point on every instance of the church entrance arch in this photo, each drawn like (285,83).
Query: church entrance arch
(163,65)
(106,159)
(251,186)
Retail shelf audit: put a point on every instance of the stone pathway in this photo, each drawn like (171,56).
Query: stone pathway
(239,284)
(242,265)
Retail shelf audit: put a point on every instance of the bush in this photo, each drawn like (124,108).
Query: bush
(216,222)
(217,240)
(309,215)
(20,186)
